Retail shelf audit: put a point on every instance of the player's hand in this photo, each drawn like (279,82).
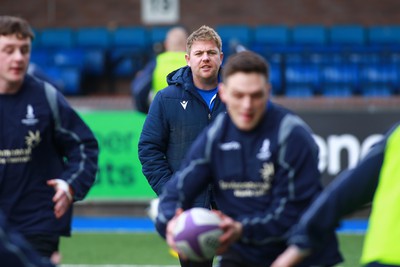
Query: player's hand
(170,232)
(62,198)
(289,258)
(55,258)
(232,231)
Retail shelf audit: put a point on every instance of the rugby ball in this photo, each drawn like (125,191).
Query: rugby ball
(196,234)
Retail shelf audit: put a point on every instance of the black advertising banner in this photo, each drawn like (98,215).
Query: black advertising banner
(344,137)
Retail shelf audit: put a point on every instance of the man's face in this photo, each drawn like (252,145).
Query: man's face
(205,60)
(245,96)
(14,59)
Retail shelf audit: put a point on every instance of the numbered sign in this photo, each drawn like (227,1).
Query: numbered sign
(160,11)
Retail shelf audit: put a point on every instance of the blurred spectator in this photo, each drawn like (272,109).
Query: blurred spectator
(153,76)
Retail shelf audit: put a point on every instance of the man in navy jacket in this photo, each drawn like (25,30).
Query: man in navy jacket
(263,164)
(181,111)
(48,155)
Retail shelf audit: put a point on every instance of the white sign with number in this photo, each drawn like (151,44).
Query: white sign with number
(160,11)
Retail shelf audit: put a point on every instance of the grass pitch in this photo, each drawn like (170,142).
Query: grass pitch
(133,249)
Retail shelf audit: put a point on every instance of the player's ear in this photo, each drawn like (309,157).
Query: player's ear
(187,58)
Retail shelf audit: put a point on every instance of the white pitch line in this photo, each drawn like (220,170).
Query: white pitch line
(114,265)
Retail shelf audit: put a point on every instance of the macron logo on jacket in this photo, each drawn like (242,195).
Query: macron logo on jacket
(184,104)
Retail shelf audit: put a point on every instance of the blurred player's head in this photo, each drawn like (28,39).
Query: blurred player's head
(176,39)
(245,89)
(15,46)
(204,57)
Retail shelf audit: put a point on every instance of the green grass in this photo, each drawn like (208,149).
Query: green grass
(150,249)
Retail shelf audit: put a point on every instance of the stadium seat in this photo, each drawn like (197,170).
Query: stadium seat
(41,57)
(333,90)
(57,38)
(96,37)
(339,79)
(345,38)
(129,49)
(384,39)
(309,37)
(299,91)
(95,43)
(276,78)
(68,57)
(72,81)
(233,35)
(269,39)
(384,36)
(376,90)
(385,76)
(302,76)
(158,34)
(68,78)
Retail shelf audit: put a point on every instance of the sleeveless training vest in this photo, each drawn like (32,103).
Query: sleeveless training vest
(382,241)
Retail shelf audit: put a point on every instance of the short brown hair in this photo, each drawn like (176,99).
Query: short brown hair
(204,33)
(247,62)
(14,25)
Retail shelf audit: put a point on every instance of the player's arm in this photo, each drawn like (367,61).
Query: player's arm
(347,193)
(76,142)
(152,146)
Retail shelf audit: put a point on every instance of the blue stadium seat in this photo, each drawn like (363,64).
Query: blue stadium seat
(299,91)
(339,79)
(345,38)
(41,57)
(333,90)
(385,76)
(384,35)
(233,35)
(276,78)
(57,38)
(93,37)
(309,37)
(68,78)
(135,38)
(384,39)
(68,57)
(130,49)
(376,90)
(95,42)
(270,39)
(72,81)
(303,75)
(158,34)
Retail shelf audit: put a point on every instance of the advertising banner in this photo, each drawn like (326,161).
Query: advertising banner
(120,176)
(343,137)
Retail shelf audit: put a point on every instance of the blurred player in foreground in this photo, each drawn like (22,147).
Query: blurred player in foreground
(262,162)
(376,179)
(15,251)
(48,155)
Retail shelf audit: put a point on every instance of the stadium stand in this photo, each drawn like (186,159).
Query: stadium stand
(306,60)
(95,43)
